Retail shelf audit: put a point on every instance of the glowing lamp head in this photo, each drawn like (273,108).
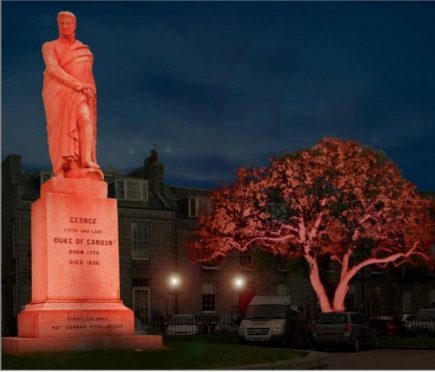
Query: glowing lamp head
(239,282)
(174,281)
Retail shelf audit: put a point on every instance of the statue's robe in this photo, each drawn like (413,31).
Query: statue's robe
(63,70)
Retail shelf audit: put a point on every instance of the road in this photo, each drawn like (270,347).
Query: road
(382,359)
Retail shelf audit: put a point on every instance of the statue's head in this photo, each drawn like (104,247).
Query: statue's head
(67,23)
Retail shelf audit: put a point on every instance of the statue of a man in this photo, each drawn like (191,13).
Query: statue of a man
(70,101)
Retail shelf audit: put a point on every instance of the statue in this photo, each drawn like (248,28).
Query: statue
(70,101)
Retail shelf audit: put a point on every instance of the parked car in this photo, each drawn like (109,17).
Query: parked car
(182,324)
(406,322)
(272,319)
(425,322)
(344,329)
(386,325)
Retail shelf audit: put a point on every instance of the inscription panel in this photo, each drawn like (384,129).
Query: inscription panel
(82,248)
(86,323)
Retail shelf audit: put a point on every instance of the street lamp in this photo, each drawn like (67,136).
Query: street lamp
(239,282)
(174,284)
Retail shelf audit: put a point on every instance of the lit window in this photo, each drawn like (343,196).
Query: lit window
(140,240)
(135,190)
(208,297)
(199,206)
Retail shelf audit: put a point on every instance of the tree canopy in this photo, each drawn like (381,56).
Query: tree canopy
(338,199)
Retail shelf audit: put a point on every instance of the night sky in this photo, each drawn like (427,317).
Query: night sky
(219,85)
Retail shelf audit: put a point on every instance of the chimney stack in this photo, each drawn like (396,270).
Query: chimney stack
(154,171)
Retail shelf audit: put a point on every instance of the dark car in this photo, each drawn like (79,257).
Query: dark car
(348,329)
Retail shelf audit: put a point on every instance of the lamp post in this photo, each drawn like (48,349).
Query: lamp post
(239,282)
(174,284)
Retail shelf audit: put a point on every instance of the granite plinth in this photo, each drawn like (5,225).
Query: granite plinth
(75,319)
(75,253)
(18,345)
(75,269)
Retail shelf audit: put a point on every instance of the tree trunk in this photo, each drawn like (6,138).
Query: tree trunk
(340,293)
(317,285)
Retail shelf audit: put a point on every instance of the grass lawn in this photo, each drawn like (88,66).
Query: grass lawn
(181,354)
(424,342)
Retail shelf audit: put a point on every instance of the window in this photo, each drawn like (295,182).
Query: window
(135,190)
(432,298)
(199,206)
(141,282)
(246,259)
(377,290)
(141,302)
(208,297)
(140,240)
(283,289)
(211,265)
(406,301)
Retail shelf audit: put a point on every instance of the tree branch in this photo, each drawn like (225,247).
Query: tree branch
(313,231)
(385,260)
(335,258)
(345,265)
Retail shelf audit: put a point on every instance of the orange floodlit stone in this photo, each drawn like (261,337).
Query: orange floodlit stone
(75,265)
(70,100)
(76,301)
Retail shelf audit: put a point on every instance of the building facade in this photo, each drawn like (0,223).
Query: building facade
(155,222)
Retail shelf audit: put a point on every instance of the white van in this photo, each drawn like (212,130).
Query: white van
(425,322)
(270,319)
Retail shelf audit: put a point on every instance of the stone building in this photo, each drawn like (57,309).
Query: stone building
(155,221)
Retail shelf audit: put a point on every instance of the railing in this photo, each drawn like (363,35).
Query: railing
(188,325)
(229,325)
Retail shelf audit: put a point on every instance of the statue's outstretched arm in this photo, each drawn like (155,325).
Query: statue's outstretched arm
(58,72)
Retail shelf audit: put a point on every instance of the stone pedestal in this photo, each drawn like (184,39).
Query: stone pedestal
(75,271)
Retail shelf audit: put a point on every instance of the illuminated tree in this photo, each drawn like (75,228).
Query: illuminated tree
(338,199)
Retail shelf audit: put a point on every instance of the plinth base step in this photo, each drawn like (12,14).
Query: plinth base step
(18,345)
